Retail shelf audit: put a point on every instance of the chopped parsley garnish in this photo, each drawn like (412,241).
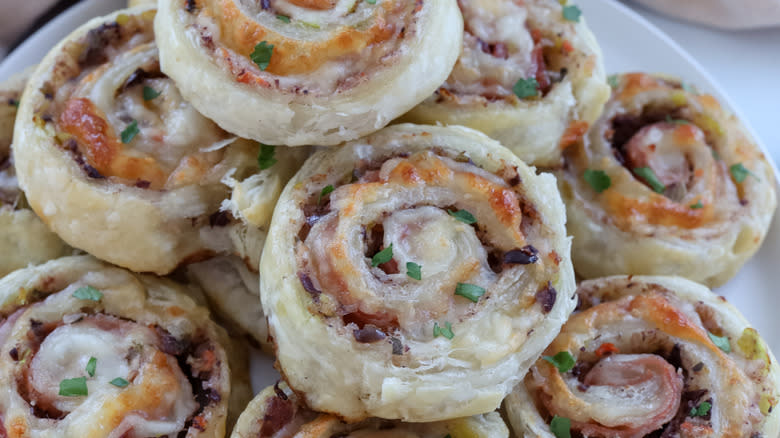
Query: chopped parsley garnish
(721,342)
(325,192)
(91,366)
(284,18)
(120,382)
(560,427)
(612,80)
(15,103)
(413,270)
(463,216)
(266,156)
(697,205)
(701,410)
(598,179)
(383,256)
(688,87)
(262,54)
(371,2)
(526,88)
(715,154)
(572,13)
(669,119)
(73,387)
(445,331)
(470,291)
(150,93)
(739,172)
(649,177)
(564,361)
(88,293)
(130,132)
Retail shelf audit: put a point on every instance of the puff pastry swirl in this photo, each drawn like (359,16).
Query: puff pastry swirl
(24,239)
(653,356)
(669,183)
(298,72)
(233,292)
(118,164)
(526,76)
(90,350)
(414,274)
(276,412)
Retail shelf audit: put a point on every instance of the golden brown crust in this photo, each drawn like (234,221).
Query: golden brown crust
(358,331)
(652,355)
(149,358)
(668,182)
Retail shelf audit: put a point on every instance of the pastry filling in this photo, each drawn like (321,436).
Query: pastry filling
(310,47)
(284,417)
(421,237)
(502,46)
(140,380)
(643,368)
(121,118)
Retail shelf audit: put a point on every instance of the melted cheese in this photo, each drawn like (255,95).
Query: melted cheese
(157,401)
(481,73)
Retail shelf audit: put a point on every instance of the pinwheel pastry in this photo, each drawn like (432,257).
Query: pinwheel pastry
(530,75)
(414,274)
(277,412)
(298,72)
(233,292)
(669,183)
(650,357)
(90,350)
(24,239)
(119,165)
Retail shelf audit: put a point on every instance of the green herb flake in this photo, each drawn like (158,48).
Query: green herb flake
(74,387)
(91,366)
(701,410)
(470,291)
(524,88)
(560,427)
(564,361)
(325,192)
(14,102)
(612,80)
(697,205)
(130,132)
(463,216)
(371,2)
(383,256)
(721,342)
(649,177)
(688,87)
(669,119)
(283,18)
(739,172)
(413,270)
(572,13)
(445,331)
(262,54)
(266,156)
(715,154)
(119,382)
(88,293)
(598,179)
(150,93)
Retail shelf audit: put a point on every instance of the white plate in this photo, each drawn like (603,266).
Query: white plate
(629,43)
